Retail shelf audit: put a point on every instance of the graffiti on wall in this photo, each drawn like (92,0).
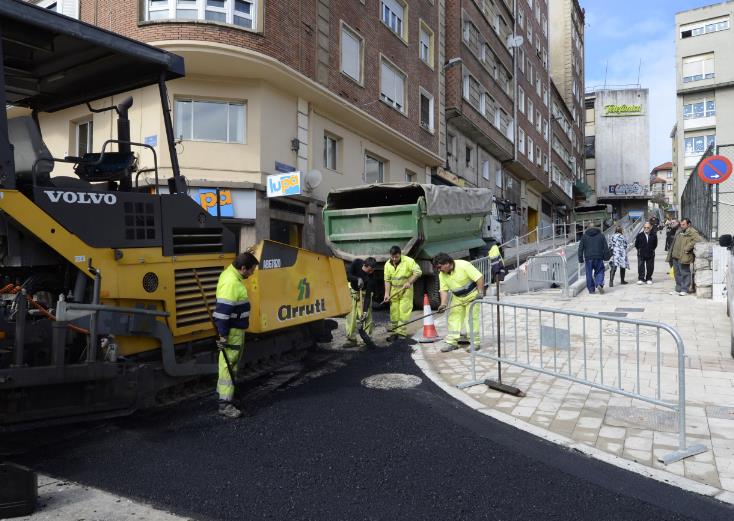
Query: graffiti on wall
(628,189)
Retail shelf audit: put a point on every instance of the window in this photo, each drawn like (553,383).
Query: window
(531,149)
(521,60)
(330,152)
(485,169)
(521,141)
(695,146)
(521,100)
(351,54)
(425,44)
(545,59)
(498,179)
(669,175)
(392,86)
(545,95)
(469,156)
(704,27)
(699,109)
(200,120)
(374,170)
(538,121)
(521,18)
(531,111)
(545,162)
(392,15)
(530,70)
(410,177)
(426,110)
(530,32)
(84,141)
(537,155)
(472,92)
(545,129)
(700,67)
(451,145)
(471,37)
(235,12)
(669,186)
(538,84)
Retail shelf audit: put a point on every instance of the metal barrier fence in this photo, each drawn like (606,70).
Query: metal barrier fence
(550,268)
(600,351)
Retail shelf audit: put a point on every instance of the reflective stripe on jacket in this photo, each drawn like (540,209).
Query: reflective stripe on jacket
(232,313)
(462,280)
(400,274)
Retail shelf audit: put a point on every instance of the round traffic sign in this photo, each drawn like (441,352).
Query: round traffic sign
(715,169)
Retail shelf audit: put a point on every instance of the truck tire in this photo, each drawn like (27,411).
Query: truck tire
(430,285)
(418,291)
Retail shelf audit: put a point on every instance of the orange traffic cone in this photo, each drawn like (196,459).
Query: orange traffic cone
(429,328)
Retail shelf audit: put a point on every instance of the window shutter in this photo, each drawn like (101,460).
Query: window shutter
(350,55)
(69,8)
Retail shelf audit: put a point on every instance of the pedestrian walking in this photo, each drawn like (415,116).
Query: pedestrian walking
(618,245)
(670,230)
(645,243)
(231,317)
(466,283)
(362,285)
(680,256)
(593,251)
(401,272)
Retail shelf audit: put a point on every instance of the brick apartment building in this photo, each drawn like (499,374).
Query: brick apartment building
(345,88)
(440,91)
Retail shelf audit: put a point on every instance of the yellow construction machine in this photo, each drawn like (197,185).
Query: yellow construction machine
(105,285)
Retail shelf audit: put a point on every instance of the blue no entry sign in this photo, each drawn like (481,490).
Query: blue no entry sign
(715,169)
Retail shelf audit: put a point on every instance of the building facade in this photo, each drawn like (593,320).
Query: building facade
(618,149)
(346,89)
(662,191)
(705,94)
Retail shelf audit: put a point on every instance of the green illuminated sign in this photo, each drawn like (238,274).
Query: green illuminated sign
(623,110)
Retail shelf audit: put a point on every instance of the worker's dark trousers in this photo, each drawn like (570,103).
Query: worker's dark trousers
(644,268)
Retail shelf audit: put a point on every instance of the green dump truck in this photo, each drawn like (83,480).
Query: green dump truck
(365,221)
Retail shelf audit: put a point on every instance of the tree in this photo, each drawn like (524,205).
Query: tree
(660,201)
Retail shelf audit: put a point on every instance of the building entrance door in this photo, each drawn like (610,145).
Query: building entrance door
(532,224)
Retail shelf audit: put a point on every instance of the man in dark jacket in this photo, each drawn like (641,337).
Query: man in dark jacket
(645,243)
(593,251)
(362,285)
(671,230)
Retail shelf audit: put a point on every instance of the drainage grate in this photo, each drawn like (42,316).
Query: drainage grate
(612,314)
(392,381)
(635,417)
(630,310)
(717,411)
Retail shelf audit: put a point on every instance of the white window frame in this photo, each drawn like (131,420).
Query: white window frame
(223,102)
(396,22)
(521,141)
(431,107)
(702,27)
(89,123)
(703,59)
(531,149)
(386,96)
(425,53)
(331,142)
(381,172)
(703,114)
(351,33)
(485,169)
(200,6)
(705,140)
(521,99)
(531,111)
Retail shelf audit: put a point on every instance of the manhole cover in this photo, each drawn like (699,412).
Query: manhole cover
(716,411)
(392,381)
(636,417)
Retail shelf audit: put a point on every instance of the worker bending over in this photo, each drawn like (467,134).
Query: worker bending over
(361,288)
(466,283)
(231,318)
(401,272)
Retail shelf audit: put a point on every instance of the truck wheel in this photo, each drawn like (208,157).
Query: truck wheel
(419,289)
(431,287)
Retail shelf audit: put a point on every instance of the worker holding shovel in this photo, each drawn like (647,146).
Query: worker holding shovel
(466,283)
(400,274)
(361,288)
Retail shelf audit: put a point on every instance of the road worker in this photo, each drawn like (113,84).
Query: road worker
(466,283)
(231,318)
(361,288)
(495,261)
(401,272)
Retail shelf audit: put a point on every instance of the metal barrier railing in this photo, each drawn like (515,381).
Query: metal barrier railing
(600,351)
(550,268)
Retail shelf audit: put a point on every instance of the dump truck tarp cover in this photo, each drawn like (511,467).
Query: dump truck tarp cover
(52,62)
(440,200)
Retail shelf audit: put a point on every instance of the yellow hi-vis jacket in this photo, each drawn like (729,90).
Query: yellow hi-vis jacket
(462,281)
(400,274)
(232,314)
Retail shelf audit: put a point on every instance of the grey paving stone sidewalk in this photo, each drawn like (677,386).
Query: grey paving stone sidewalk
(621,426)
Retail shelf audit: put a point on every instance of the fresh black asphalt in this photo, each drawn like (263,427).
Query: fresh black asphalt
(331,449)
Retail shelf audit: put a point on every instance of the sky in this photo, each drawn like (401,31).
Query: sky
(622,34)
